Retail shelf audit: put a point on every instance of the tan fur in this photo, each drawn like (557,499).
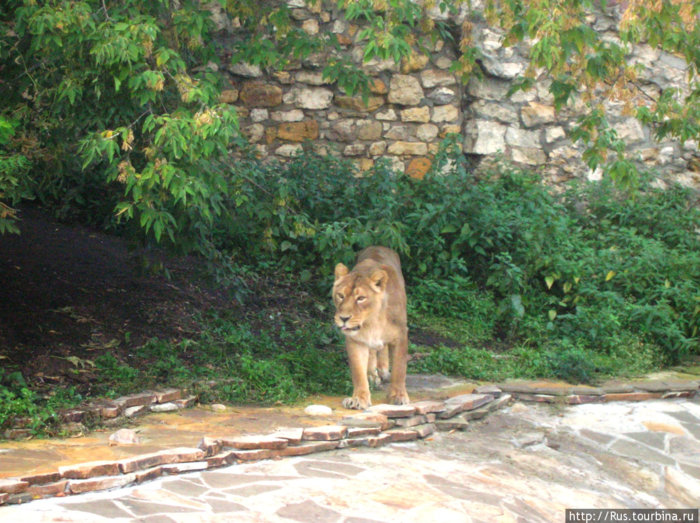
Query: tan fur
(370,304)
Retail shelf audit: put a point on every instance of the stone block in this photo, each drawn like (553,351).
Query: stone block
(437,78)
(289,150)
(416,114)
(308,448)
(292,435)
(80,486)
(399,435)
(377,148)
(535,114)
(132,412)
(522,138)
(252,455)
(355,149)
(179,468)
(424,431)
(485,137)
(445,113)
(309,98)
(136,400)
(393,411)
(40,479)
(369,130)
(419,167)
(89,470)
(462,403)
(442,95)
(356,103)
(48,490)
(165,407)
(414,62)
(148,474)
(412,421)
(427,132)
(405,90)
(377,441)
(295,115)
(298,131)
(4,497)
(73,415)
(377,86)
(367,420)
(325,433)
(163,457)
(408,148)
(13,486)
(528,155)
(247,70)
(428,406)
(356,432)
(254,442)
(228,96)
(260,94)
(633,396)
(399,132)
(387,115)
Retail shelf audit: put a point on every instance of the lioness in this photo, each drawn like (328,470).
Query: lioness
(370,304)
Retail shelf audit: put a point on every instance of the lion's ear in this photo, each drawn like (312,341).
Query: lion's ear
(379,279)
(340,271)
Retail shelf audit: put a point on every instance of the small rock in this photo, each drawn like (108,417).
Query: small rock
(131,412)
(318,410)
(164,407)
(124,437)
(218,407)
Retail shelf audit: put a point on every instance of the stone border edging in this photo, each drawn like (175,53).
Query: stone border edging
(113,411)
(374,427)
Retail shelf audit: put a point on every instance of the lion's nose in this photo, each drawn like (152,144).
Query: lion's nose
(344,319)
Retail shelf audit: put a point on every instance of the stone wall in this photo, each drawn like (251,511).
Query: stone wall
(415,104)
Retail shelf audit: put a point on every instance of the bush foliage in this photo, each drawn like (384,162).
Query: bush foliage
(590,269)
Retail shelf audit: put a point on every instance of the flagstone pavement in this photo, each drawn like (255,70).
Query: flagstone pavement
(524,463)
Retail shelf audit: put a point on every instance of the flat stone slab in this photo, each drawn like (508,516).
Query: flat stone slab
(13,486)
(90,469)
(429,406)
(168,395)
(136,400)
(393,411)
(292,435)
(462,403)
(80,486)
(164,457)
(254,442)
(309,448)
(325,433)
(412,421)
(367,419)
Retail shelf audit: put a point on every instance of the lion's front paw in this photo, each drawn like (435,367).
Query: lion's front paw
(398,398)
(357,402)
(384,374)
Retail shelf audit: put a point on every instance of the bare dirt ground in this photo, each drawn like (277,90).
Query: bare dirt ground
(69,293)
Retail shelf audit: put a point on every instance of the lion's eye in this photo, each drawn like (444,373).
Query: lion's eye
(360,299)
(340,296)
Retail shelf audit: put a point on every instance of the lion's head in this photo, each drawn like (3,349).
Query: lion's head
(358,297)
